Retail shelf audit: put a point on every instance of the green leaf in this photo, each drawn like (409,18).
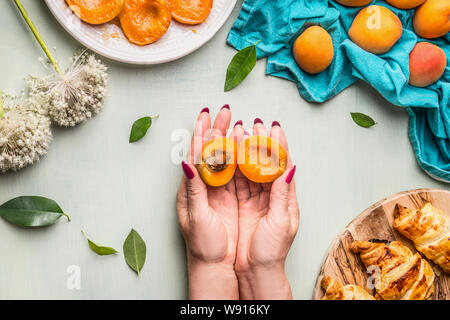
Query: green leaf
(31,211)
(362,120)
(135,250)
(240,66)
(140,128)
(100,250)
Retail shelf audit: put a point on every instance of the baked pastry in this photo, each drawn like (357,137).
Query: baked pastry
(429,228)
(398,273)
(334,290)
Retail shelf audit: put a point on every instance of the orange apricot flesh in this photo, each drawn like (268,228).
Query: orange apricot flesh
(145,21)
(96,11)
(261,159)
(218,162)
(190,11)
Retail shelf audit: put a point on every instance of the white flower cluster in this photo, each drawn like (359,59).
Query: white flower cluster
(25,133)
(75,96)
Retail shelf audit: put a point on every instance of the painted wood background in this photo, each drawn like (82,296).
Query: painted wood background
(109,186)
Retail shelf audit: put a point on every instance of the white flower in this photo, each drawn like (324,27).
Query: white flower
(75,96)
(25,133)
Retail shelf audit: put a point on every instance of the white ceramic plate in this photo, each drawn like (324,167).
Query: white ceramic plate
(109,41)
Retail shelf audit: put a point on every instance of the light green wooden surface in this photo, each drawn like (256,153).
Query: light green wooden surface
(109,186)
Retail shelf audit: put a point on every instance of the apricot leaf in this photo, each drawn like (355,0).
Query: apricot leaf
(134,249)
(140,128)
(31,211)
(240,66)
(100,250)
(362,120)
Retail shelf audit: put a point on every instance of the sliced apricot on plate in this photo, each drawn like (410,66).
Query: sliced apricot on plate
(218,162)
(261,159)
(145,21)
(190,11)
(96,11)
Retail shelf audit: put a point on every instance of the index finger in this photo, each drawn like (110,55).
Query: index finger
(200,135)
(277,134)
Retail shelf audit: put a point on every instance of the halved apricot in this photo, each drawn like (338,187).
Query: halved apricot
(96,11)
(218,162)
(190,11)
(145,21)
(261,159)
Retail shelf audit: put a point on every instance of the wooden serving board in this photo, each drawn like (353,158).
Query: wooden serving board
(376,223)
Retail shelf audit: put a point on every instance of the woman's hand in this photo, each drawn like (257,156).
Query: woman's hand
(208,217)
(268,223)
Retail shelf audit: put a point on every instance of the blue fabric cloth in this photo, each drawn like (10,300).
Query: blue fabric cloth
(277,23)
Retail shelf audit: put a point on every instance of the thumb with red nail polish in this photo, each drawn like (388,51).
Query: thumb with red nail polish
(279,195)
(195,188)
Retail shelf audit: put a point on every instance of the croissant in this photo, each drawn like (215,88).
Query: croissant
(334,290)
(400,274)
(429,228)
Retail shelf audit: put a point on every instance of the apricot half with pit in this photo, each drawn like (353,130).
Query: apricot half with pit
(145,21)
(313,50)
(96,11)
(190,11)
(261,159)
(218,162)
(376,29)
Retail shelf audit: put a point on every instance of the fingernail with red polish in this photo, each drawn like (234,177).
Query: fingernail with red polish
(227,106)
(205,110)
(258,120)
(238,123)
(187,170)
(276,123)
(291,175)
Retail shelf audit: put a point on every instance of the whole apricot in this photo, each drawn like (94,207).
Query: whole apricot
(218,162)
(354,3)
(376,29)
(427,64)
(313,50)
(432,19)
(405,4)
(261,159)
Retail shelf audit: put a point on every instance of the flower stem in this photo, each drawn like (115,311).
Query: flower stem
(37,35)
(2,112)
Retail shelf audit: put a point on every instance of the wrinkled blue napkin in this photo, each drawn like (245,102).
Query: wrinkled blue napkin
(277,23)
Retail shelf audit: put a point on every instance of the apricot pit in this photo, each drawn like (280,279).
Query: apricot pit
(218,162)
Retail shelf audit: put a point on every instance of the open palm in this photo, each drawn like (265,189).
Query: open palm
(208,216)
(268,212)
